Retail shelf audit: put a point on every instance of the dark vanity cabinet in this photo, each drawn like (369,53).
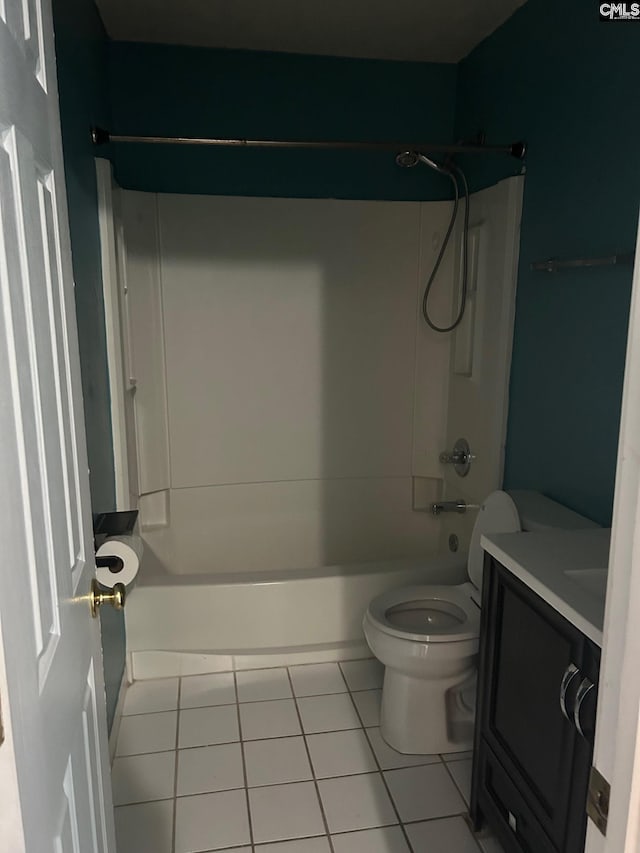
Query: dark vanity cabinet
(535,720)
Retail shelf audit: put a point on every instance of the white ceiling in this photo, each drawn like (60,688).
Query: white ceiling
(421,30)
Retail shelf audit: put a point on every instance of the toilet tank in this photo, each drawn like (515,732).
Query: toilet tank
(538,513)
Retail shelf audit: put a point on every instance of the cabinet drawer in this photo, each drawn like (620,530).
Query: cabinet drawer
(506,810)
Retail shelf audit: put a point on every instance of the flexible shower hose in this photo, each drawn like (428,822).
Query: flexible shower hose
(454,213)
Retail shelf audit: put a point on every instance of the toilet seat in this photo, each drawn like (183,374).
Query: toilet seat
(447,613)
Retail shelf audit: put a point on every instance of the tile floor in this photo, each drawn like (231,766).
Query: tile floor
(285,760)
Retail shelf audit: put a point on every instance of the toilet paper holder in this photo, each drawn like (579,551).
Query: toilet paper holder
(107,524)
(113,524)
(112,562)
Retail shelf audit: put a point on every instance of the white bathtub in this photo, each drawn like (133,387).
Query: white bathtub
(188,624)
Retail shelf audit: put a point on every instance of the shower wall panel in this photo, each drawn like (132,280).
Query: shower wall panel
(286,374)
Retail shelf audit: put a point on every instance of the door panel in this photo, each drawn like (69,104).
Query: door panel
(617,745)
(525,714)
(54,702)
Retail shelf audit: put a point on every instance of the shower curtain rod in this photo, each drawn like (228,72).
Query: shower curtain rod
(100,136)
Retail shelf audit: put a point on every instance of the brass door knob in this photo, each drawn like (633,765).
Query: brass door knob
(99,595)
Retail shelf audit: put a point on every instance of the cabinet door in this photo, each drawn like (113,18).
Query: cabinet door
(532,649)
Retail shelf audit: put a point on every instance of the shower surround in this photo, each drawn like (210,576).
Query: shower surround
(287,409)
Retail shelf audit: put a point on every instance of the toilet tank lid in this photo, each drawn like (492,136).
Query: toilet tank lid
(498,514)
(538,512)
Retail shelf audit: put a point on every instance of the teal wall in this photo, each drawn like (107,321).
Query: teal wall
(556,76)
(180,91)
(82,81)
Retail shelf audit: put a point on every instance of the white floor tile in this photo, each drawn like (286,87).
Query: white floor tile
(276,761)
(340,753)
(315,679)
(207,726)
(390,759)
(199,691)
(328,713)
(280,812)
(457,756)
(147,733)
(356,802)
(269,719)
(211,822)
(461,772)
(333,701)
(363,674)
(421,793)
(368,704)
(140,778)
(206,769)
(388,839)
(257,685)
(300,845)
(450,834)
(145,828)
(157,694)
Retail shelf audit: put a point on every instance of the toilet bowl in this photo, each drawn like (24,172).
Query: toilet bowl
(427,637)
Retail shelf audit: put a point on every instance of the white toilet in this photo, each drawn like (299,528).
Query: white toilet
(427,636)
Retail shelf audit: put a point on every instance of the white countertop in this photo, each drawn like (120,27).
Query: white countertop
(566,568)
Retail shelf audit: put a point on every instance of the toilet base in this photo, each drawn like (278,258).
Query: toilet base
(428,717)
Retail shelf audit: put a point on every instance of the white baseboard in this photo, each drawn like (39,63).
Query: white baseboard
(117,717)
(171,664)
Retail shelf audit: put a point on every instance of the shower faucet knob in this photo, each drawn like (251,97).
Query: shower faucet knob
(456,458)
(460,457)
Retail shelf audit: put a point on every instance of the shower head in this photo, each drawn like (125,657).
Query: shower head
(409,159)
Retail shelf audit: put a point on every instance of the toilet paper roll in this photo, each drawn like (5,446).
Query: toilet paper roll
(128,551)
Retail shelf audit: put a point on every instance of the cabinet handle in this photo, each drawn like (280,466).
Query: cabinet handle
(586,686)
(569,674)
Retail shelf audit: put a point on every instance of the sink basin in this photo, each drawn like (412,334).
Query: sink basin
(593,580)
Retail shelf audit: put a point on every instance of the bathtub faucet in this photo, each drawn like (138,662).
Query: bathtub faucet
(452,506)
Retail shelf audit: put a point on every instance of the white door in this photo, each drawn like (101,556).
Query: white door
(617,746)
(54,770)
